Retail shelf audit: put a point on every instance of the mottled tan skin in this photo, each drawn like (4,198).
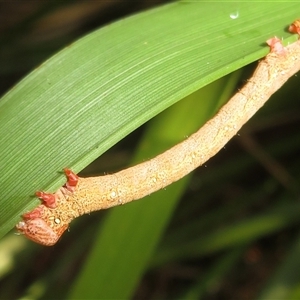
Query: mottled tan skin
(46,223)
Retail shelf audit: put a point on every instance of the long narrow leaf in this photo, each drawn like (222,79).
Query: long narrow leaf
(87,97)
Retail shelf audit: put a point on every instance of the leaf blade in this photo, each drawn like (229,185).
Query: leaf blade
(51,119)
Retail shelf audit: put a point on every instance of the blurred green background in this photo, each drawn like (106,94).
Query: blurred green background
(228,231)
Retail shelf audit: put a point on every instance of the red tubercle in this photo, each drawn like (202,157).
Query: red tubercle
(34,214)
(72,179)
(295,27)
(276,46)
(49,200)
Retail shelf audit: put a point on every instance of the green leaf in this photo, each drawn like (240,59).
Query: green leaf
(90,95)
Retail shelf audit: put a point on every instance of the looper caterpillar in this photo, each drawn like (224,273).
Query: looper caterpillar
(47,222)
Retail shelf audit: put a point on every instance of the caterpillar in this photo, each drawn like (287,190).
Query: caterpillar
(46,223)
